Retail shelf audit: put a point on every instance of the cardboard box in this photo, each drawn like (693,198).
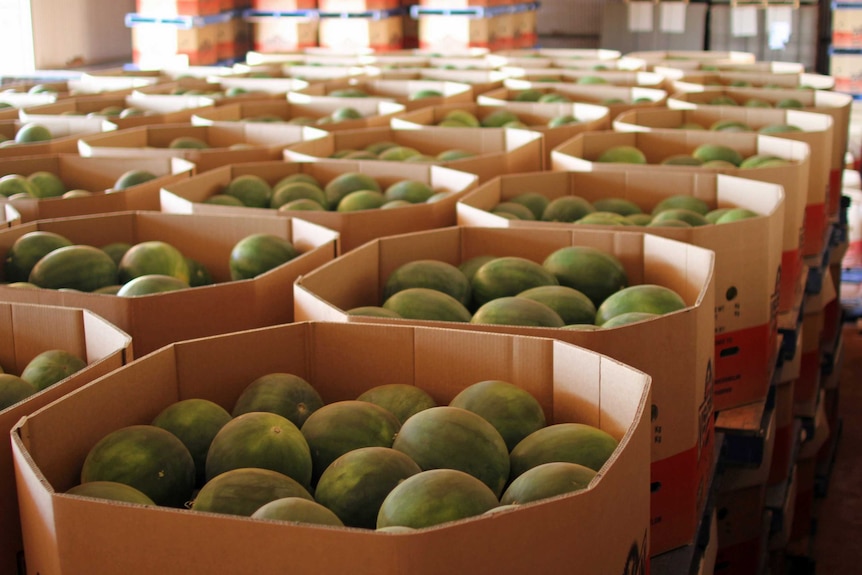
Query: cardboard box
(574,76)
(157,109)
(706,56)
(234,38)
(684,81)
(28,330)
(617,99)
(283,5)
(571,383)
(267,142)
(741,531)
(819,101)
(349,33)
(346,6)
(572,54)
(779,539)
(97,175)
(846,28)
(786,435)
(11,216)
(400,91)
(65,131)
(498,150)
(158,319)
(266,85)
(735,477)
(682,422)
(807,385)
(463,31)
(620,64)
(354,228)
(163,44)
(746,281)
(178,7)
(707,561)
(580,153)
(480,81)
(534,115)
(816,132)
(525,32)
(275,35)
(461,3)
(847,71)
(374,113)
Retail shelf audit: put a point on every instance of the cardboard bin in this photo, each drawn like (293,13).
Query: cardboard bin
(96,175)
(682,408)
(374,113)
(158,319)
(535,116)
(746,280)
(65,131)
(400,91)
(354,228)
(497,150)
(27,330)
(835,104)
(816,131)
(153,109)
(580,154)
(606,525)
(228,144)
(617,99)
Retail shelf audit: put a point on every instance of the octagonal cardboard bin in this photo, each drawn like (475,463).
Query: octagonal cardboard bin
(835,104)
(581,154)
(495,150)
(682,368)
(617,99)
(96,175)
(746,280)
(373,113)
(228,144)
(65,132)
(604,528)
(27,330)
(814,129)
(536,116)
(158,319)
(400,91)
(354,228)
(154,109)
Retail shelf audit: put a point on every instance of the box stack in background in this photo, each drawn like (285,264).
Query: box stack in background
(447,25)
(355,25)
(283,25)
(192,33)
(845,57)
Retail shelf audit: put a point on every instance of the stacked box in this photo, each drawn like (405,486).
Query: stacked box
(157,45)
(27,330)
(682,420)
(65,131)
(348,34)
(786,435)
(354,228)
(745,327)
(455,32)
(807,386)
(846,27)
(847,71)
(158,319)
(178,7)
(581,152)
(743,529)
(570,383)
(278,35)
(283,5)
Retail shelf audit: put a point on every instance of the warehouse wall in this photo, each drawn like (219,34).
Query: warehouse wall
(582,25)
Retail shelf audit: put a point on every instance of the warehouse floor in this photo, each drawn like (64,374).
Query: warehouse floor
(837,545)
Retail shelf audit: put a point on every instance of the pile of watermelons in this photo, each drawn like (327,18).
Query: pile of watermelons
(575,287)
(393,458)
